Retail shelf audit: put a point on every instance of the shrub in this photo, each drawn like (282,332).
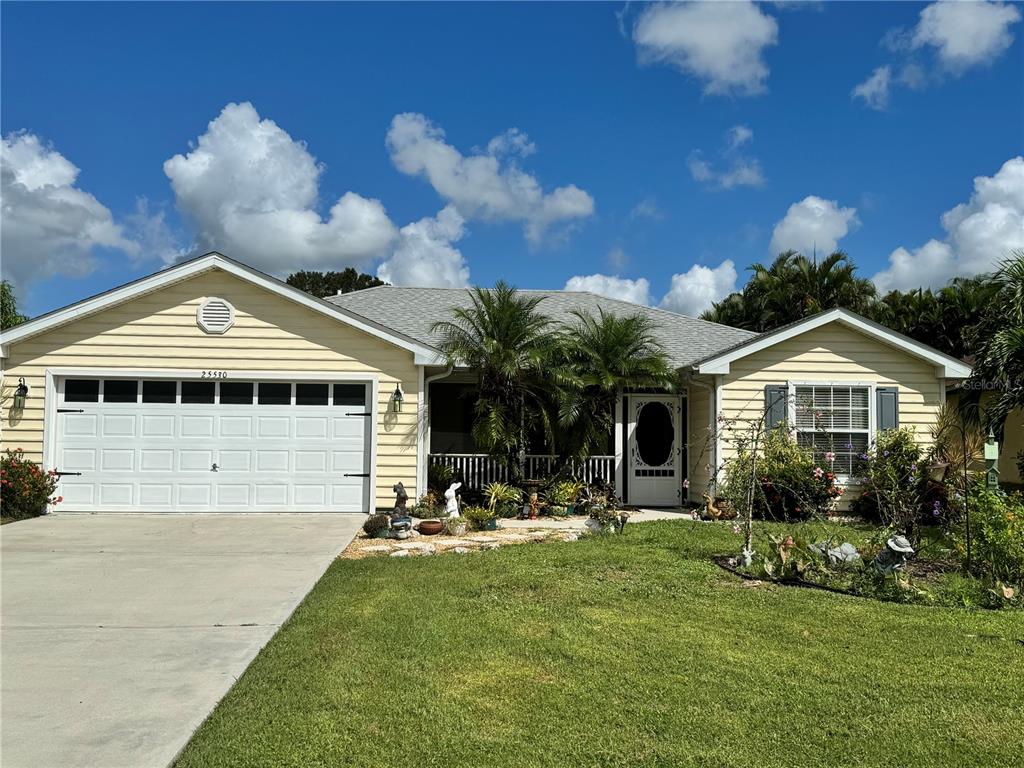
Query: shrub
(25,489)
(791,485)
(997,535)
(439,477)
(429,505)
(375,523)
(503,499)
(478,517)
(897,492)
(565,492)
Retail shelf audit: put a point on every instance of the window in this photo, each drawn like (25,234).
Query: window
(311,394)
(271,393)
(81,390)
(159,391)
(834,418)
(197,392)
(236,393)
(350,394)
(120,391)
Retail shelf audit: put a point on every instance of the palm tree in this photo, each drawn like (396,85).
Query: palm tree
(602,356)
(510,345)
(793,287)
(1000,345)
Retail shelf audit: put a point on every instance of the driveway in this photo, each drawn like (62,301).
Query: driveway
(120,632)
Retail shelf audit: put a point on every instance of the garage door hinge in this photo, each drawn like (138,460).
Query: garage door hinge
(357,474)
(354,413)
(76,474)
(70,410)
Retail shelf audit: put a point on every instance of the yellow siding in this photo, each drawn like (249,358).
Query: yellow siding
(158,330)
(700,443)
(1013,443)
(830,353)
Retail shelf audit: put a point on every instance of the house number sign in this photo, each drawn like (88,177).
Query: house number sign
(214,375)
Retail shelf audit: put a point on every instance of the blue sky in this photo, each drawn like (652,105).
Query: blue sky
(650,152)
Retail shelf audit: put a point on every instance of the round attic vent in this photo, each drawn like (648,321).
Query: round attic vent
(215,315)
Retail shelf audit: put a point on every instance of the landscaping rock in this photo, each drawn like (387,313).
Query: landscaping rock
(490,545)
(448,543)
(400,553)
(570,536)
(460,551)
(377,549)
(481,539)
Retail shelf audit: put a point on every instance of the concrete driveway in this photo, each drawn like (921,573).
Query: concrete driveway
(120,632)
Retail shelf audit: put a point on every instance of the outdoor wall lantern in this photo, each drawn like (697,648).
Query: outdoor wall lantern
(20,394)
(396,399)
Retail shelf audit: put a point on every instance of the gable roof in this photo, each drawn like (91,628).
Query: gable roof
(950,367)
(413,312)
(187,269)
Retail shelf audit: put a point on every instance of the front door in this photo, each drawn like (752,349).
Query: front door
(655,450)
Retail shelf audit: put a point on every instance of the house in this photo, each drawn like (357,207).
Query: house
(210,386)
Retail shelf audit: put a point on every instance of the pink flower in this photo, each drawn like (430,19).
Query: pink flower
(830,457)
(819,472)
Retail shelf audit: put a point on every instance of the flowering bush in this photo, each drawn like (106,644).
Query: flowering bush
(896,489)
(791,484)
(997,531)
(25,489)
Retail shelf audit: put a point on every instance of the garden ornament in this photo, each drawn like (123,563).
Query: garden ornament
(844,553)
(401,497)
(451,501)
(895,556)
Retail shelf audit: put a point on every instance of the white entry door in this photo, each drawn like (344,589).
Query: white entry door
(196,446)
(654,448)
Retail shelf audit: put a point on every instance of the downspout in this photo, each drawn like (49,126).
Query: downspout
(422,481)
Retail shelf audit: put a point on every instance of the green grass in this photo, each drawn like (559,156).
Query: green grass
(616,651)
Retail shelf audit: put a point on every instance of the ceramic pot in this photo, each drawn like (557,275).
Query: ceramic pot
(431,527)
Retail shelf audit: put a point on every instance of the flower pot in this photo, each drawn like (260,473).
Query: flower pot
(430,527)
(457,529)
(491,525)
(570,510)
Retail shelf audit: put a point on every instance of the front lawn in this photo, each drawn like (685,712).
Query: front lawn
(616,651)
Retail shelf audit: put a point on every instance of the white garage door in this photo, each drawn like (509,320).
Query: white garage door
(189,446)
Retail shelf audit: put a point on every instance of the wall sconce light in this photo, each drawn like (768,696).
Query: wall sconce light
(20,394)
(397,398)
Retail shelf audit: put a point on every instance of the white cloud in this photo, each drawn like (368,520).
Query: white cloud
(979,233)
(950,37)
(614,287)
(618,258)
(739,135)
(486,185)
(250,189)
(425,256)
(738,171)
(697,289)
(720,43)
(646,209)
(811,225)
(966,34)
(875,90)
(511,142)
(49,225)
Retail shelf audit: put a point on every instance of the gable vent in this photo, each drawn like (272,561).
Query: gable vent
(215,315)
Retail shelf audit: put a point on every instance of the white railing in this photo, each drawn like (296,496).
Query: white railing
(478,469)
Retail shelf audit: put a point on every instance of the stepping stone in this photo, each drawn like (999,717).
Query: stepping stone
(446,543)
(570,537)
(481,539)
(512,537)
(377,549)
(400,553)
(490,545)
(460,551)
(413,546)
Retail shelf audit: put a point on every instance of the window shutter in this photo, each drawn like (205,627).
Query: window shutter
(887,406)
(776,404)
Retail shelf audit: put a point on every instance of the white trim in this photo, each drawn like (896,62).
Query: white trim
(50,402)
(872,429)
(716,426)
(620,446)
(422,353)
(946,366)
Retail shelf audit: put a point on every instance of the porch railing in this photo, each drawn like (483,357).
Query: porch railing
(478,469)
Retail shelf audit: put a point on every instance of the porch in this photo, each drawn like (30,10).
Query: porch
(478,469)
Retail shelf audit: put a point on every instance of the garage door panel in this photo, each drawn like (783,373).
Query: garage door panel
(209,456)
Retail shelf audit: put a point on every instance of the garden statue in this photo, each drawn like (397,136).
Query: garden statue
(895,556)
(844,553)
(451,501)
(401,497)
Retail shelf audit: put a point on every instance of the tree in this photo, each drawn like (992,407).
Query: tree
(324,284)
(793,287)
(603,355)
(511,347)
(999,344)
(9,315)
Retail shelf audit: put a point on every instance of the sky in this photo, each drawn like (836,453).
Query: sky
(650,152)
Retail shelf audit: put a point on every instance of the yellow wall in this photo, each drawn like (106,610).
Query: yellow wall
(159,330)
(1013,443)
(832,352)
(700,448)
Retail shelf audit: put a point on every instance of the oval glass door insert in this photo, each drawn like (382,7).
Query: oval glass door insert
(655,434)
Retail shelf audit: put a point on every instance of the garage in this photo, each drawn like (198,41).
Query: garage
(218,443)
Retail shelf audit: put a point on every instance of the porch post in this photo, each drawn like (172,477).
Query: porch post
(620,446)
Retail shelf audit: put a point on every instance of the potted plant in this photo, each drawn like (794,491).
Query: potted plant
(481,518)
(456,526)
(563,496)
(503,499)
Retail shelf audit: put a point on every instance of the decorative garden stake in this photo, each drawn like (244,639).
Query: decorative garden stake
(991,460)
